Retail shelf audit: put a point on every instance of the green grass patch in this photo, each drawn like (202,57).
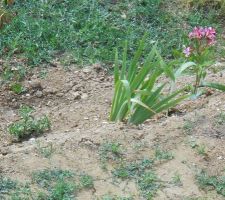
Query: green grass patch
(216,182)
(90,30)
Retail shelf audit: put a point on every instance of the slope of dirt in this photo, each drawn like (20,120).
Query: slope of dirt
(78,103)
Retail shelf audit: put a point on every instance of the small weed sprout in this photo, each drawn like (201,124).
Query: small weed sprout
(110,151)
(176,179)
(28,125)
(201,149)
(86,181)
(216,182)
(45,151)
(163,155)
(149,184)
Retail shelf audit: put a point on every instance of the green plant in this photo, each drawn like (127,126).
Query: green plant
(86,181)
(205,181)
(17,88)
(201,149)
(149,184)
(189,126)
(137,95)
(133,169)
(176,179)
(45,151)
(201,51)
(46,177)
(63,191)
(6,185)
(110,151)
(219,119)
(163,155)
(114,197)
(28,125)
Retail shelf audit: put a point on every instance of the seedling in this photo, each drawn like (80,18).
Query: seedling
(110,151)
(86,181)
(17,88)
(149,184)
(163,155)
(176,179)
(201,149)
(216,182)
(45,151)
(133,169)
(28,125)
(114,197)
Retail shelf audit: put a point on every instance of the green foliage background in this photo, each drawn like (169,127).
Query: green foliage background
(89,30)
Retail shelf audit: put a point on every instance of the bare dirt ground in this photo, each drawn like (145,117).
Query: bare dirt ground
(78,103)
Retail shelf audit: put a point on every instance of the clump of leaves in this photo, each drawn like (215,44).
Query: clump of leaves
(114,197)
(46,177)
(28,125)
(17,88)
(110,151)
(86,181)
(45,151)
(13,189)
(6,185)
(137,95)
(205,181)
(133,169)
(149,184)
(61,184)
(163,155)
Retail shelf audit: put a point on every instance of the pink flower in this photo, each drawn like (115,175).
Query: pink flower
(197,33)
(187,51)
(210,33)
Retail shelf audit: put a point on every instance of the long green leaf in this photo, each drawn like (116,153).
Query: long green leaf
(182,68)
(139,78)
(116,68)
(166,68)
(124,63)
(217,86)
(134,63)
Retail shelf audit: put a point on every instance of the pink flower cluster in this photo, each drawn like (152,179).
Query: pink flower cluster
(207,33)
(200,33)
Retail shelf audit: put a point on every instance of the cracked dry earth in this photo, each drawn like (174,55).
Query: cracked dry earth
(78,103)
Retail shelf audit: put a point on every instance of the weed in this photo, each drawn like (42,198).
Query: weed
(163,155)
(6,185)
(201,149)
(149,184)
(15,190)
(205,181)
(219,119)
(63,191)
(46,151)
(86,181)
(176,179)
(110,197)
(17,88)
(133,170)
(189,126)
(110,151)
(28,125)
(46,177)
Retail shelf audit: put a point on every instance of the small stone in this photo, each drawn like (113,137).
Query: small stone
(32,140)
(76,95)
(84,96)
(87,70)
(39,94)
(60,94)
